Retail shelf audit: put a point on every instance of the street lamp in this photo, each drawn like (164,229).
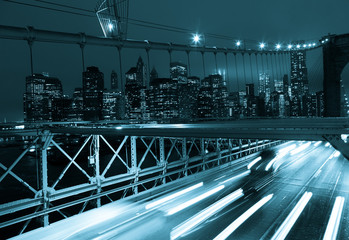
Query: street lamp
(289,46)
(278,46)
(196,38)
(262,45)
(238,43)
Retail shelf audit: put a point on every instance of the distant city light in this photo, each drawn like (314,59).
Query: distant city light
(278,46)
(110,26)
(298,46)
(196,38)
(238,43)
(262,45)
(289,46)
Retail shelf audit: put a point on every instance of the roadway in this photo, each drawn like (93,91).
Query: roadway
(297,204)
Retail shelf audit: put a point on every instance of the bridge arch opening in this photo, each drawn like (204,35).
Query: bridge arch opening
(335,59)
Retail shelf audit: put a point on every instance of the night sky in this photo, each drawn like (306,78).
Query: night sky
(267,21)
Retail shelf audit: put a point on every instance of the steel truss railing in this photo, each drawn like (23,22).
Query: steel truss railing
(142,163)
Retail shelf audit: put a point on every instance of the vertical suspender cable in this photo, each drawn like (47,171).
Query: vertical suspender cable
(243,63)
(188,58)
(251,67)
(226,70)
(236,71)
(203,63)
(148,59)
(258,87)
(121,78)
(215,59)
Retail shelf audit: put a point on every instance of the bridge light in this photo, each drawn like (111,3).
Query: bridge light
(278,46)
(304,45)
(110,26)
(289,46)
(238,43)
(326,39)
(298,46)
(309,45)
(314,44)
(196,38)
(262,45)
(322,41)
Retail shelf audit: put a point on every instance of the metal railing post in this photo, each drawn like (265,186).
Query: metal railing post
(97,167)
(203,153)
(134,167)
(45,142)
(185,156)
(163,161)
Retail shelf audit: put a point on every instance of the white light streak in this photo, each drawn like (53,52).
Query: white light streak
(301,148)
(270,164)
(287,149)
(253,162)
(205,214)
(317,143)
(327,144)
(286,226)
(118,128)
(237,176)
(337,154)
(335,218)
(240,220)
(172,196)
(194,200)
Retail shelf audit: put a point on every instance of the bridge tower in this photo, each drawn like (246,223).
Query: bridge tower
(335,58)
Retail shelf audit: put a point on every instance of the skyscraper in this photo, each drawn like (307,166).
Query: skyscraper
(178,72)
(114,80)
(40,93)
(299,82)
(92,86)
(141,72)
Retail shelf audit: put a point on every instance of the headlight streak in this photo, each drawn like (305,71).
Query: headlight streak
(288,223)
(300,148)
(237,176)
(335,218)
(337,154)
(287,149)
(317,143)
(194,200)
(253,162)
(270,164)
(205,214)
(240,220)
(172,196)
(327,144)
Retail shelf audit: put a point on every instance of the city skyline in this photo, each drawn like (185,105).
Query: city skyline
(52,57)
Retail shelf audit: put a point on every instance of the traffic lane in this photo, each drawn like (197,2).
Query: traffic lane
(313,221)
(284,193)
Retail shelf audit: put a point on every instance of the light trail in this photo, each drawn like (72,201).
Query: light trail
(253,162)
(172,196)
(286,226)
(300,148)
(237,176)
(240,220)
(335,218)
(205,214)
(194,200)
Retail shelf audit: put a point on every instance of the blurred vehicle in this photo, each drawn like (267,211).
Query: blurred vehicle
(262,172)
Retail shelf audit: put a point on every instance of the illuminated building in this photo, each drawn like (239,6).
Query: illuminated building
(92,86)
(163,99)
(178,72)
(40,93)
(114,80)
